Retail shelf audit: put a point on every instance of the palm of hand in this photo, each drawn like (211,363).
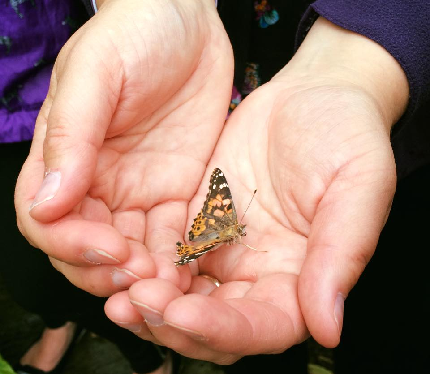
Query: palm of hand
(245,275)
(145,145)
(258,290)
(301,181)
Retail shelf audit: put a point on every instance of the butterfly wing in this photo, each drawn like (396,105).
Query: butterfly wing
(189,253)
(218,211)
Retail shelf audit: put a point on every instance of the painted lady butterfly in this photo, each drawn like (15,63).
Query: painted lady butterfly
(215,225)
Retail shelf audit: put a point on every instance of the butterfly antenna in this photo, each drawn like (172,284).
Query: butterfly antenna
(252,198)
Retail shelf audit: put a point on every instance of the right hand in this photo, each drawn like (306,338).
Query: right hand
(126,132)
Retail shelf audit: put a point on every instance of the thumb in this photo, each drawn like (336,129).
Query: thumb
(69,133)
(343,237)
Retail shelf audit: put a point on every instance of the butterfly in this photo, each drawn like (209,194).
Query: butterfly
(215,225)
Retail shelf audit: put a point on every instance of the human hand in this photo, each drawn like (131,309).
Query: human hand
(124,136)
(315,143)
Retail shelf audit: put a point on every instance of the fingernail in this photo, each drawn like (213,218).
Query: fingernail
(48,189)
(133,327)
(152,316)
(123,278)
(191,333)
(338,311)
(98,257)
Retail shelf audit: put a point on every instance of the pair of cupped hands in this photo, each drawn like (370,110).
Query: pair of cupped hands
(124,145)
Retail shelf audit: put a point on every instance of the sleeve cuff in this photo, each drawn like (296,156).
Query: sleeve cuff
(398,26)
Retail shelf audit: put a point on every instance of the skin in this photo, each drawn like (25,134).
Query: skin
(314,141)
(124,161)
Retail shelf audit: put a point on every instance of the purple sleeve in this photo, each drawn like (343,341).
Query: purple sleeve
(401,27)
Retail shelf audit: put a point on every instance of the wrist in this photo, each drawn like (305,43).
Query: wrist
(331,53)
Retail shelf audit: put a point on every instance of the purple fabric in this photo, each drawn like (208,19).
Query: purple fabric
(31,35)
(401,27)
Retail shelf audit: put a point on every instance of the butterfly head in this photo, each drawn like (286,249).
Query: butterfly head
(241,229)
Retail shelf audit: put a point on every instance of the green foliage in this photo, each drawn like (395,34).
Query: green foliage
(5,368)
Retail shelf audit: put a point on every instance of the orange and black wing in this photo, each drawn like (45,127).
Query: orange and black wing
(218,211)
(189,253)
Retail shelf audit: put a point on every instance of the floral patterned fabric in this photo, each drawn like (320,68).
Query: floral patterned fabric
(263,39)
(266,15)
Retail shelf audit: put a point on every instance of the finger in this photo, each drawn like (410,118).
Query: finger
(96,243)
(165,225)
(203,284)
(231,290)
(150,298)
(119,310)
(105,280)
(343,238)
(131,224)
(73,127)
(266,320)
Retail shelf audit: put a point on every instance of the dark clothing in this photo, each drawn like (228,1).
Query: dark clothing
(386,326)
(401,27)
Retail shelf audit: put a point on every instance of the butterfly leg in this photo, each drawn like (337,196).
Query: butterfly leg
(254,249)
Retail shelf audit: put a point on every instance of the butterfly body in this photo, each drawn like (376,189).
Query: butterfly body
(215,225)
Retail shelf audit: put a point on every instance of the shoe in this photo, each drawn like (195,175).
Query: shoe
(28,369)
